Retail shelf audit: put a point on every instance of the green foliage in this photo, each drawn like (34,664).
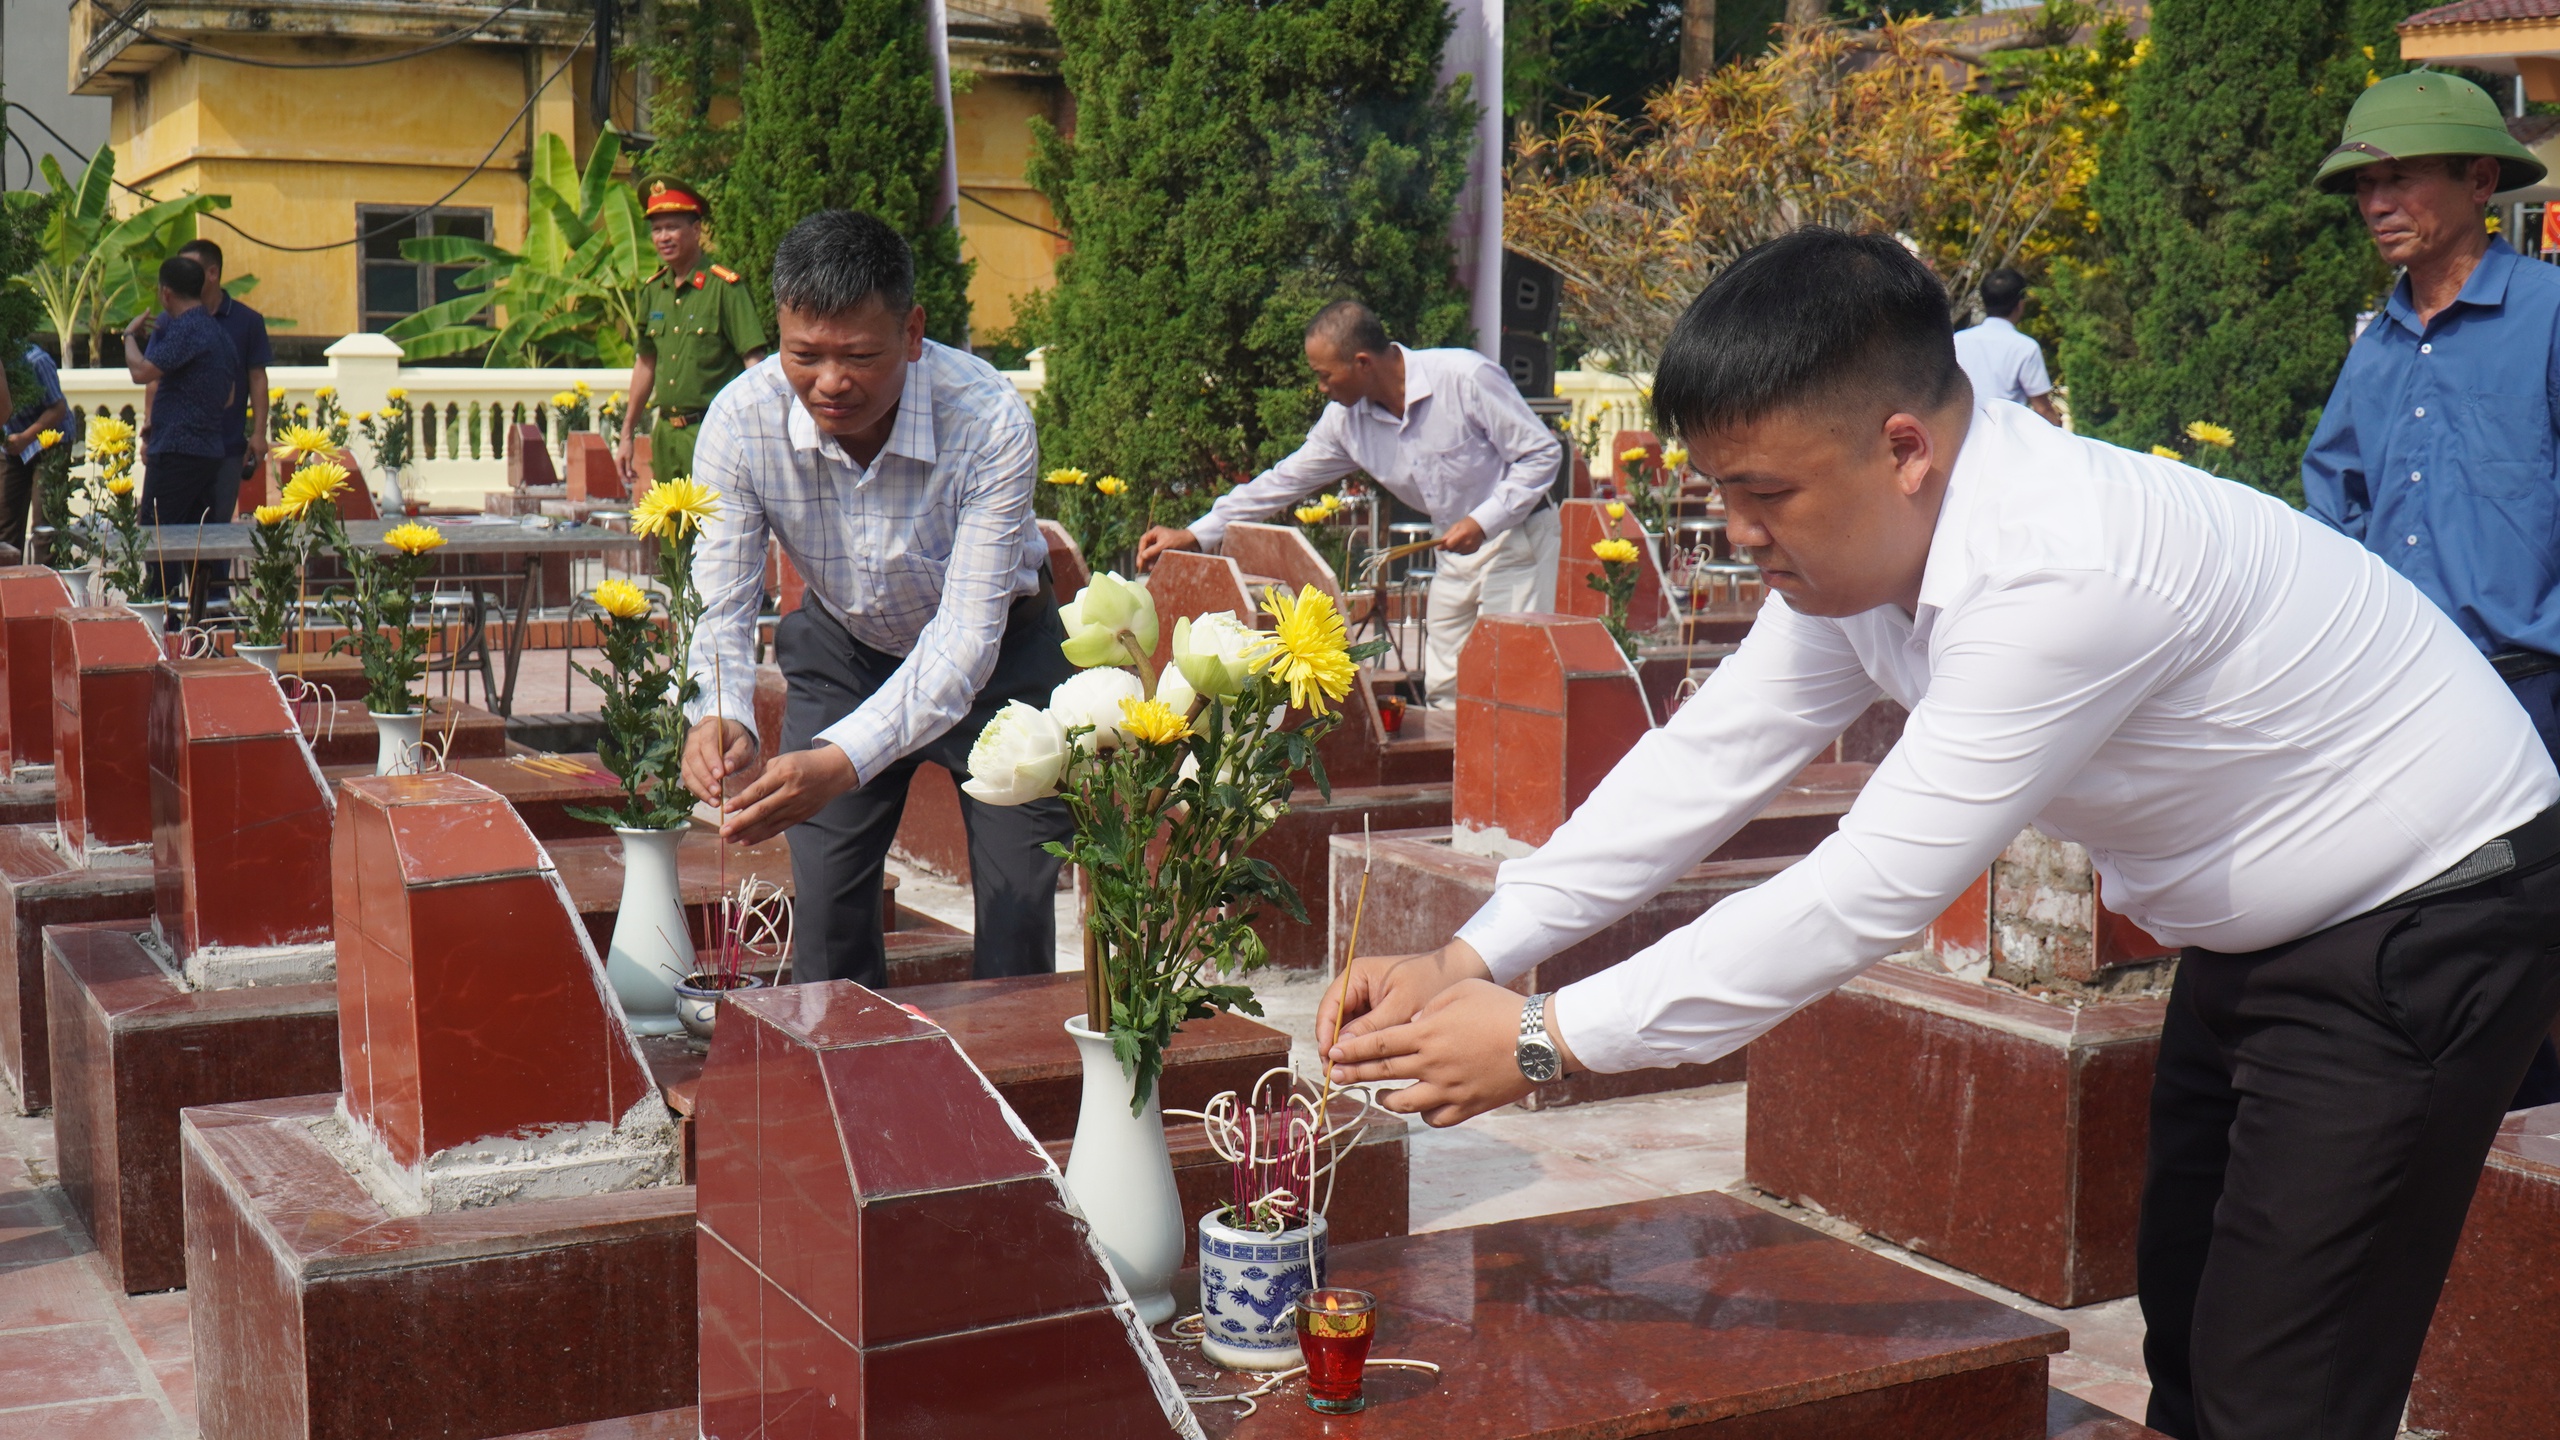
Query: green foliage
(840,114)
(646,686)
(1233,169)
(695,55)
(263,607)
(377,610)
(23,214)
(570,297)
(1616,584)
(2225,286)
(92,271)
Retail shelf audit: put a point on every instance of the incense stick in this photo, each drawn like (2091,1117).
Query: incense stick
(1350,952)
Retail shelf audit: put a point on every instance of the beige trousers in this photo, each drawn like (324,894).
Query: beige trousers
(1512,572)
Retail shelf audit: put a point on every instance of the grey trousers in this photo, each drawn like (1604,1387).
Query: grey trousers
(837,854)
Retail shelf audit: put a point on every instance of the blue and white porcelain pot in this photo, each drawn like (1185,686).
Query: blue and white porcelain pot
(1250,1281)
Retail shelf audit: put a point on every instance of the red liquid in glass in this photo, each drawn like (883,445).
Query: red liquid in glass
(1334,1365)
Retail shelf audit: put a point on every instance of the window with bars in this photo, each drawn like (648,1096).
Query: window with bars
(395,287)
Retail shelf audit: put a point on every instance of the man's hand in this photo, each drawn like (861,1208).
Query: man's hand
(1460,1052)
(1378,991)
(1159,539)
(260,447)
(1464,538)
(622,456)
(720,759)
(791,788)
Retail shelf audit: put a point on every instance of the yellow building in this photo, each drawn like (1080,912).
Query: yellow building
(329,169)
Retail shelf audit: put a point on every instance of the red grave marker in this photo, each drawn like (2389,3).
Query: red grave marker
(1586,523)
(593,472)
(885,1251)
(1546,706)
(102,665)
(1282,552)
(528,459)
(29,597)
(240,816)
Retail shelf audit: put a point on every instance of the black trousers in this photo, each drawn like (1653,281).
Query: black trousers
(17,498)
(2318,1123)
(837,855)
(179,490)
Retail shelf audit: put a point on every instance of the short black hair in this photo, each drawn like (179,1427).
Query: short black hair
(1813,315)
(836,259)
(2001,292)
(1351,328)
(204,250)
(183,275)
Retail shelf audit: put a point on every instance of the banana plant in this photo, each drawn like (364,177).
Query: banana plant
(572,295)
(97,271)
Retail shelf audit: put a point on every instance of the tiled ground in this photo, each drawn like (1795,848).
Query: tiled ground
(80,1362)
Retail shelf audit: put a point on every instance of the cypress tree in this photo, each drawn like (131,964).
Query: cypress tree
(2227,287)
(838,113)
(1234,167)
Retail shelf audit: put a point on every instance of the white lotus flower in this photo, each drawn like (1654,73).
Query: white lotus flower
(1093,697)
(1175,690)
(1018,757)
(1110,615)
(1213,651)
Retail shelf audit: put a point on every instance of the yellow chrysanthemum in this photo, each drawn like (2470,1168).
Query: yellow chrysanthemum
(320,480)
(674,506)
(108,435)
(307,441)
(2165,453)
(1615,552)
(271,514)
(1616,510)
(120,485)
(1632,454)
(1311,515)
(1111,485)
(1308,649)
(622,600)
(1676,456)
(48,438)
(325,392)
(1331,504)
(563,400)
(1064,477)
(276,396)
(395,394)
(1153,721)
(581,387)
(364,417)
(2205,432)
(413,538)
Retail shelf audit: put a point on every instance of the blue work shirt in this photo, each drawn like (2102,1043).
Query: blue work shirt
(199,375)
(248,331)
(2436,452)
(48,394)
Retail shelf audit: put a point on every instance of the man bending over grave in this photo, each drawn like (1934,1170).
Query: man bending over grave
(897,474)
(2279,754)
(1448,434)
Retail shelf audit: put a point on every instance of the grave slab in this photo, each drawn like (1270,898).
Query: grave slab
(1547,706)
(886,1251)
(2009,1142)
(341,731)
(1582,524)
(102,667)
(2486,1372)
(40,886)
(30,595)
(240,821)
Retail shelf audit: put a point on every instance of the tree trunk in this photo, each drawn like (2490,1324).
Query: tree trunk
(1697,38)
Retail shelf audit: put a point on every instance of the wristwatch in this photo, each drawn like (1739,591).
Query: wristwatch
(1536,1052)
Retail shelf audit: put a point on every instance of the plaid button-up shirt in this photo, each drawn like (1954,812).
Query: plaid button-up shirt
(919,555)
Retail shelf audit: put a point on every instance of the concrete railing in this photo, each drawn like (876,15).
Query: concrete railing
(466,416)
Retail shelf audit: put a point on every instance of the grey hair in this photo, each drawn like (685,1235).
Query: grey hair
(834,260)
(1351,328)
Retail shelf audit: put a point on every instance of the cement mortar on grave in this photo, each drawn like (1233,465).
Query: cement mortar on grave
(1490,841)
(30,774)
(241,967)
(641,1151)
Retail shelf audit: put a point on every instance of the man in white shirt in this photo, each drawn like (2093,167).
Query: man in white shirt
(2002,363)
(2278,753)
(897,473)
(1447,433)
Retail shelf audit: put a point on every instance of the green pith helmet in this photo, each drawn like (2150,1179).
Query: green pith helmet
(2423,113)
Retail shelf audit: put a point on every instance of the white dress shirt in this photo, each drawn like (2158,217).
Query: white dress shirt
(1467,446)
(2255,726)
(919,555)
(2002,363)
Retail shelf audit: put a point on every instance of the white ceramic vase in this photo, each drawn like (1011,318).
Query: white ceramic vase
(1121,1176)
(1250,1281)
(154,613)
(652,950)
(396,738)
(265,657)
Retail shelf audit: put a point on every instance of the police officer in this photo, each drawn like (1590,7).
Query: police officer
(700,332)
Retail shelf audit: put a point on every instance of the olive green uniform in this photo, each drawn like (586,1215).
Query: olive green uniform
(700,326)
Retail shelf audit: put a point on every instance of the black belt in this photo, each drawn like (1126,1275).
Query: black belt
(1547,502)
(2532,843)
(2514,665)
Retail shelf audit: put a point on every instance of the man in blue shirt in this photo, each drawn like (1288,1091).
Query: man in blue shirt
(244,444)
(194,374)
(21,445)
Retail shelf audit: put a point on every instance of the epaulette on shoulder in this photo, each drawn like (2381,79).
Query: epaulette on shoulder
(725,273)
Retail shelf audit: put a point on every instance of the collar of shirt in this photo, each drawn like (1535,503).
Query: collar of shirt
(2485,289)
(911,436)
(1421,378)
(1950,570)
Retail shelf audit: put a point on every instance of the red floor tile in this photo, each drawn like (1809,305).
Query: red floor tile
(69,1362)
(135,1419)
(57,1293)
(159,1326)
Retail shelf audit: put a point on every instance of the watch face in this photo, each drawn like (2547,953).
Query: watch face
(1539,1061)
